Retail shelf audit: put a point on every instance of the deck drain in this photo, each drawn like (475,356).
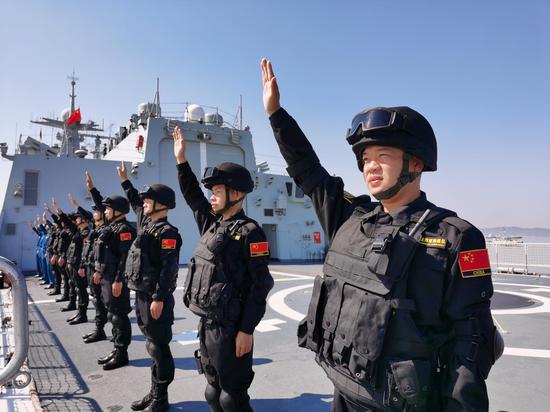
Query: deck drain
(114,408)
(95,377)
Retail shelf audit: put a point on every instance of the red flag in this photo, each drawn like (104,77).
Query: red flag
(74,117)
(125,236)
(259,249)
(474,263)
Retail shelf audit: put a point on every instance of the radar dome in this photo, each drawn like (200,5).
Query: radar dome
(65,114)
(146,107)
(213,118)
(194,113)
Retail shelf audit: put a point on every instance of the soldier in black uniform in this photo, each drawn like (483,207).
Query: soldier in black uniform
(228,279)
(401,318)
(152,272)
(52,241)
(63,242)
(78,224)
(111,250)
(87,265)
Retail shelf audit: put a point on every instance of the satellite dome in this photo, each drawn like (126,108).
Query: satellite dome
(81,153)
(194,113)
(213,118)
(147,108)
(65,114)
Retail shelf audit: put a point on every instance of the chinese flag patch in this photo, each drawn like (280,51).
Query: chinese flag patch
(474,263)
(259,249)
(168,244)
(126,236)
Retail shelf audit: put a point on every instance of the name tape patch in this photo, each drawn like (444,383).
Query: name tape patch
(438,242)
(474,263)
(259,249)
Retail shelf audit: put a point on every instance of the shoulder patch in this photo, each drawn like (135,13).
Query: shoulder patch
(168,244)
(474,263)
(437,242)
(125,236)
(259,249)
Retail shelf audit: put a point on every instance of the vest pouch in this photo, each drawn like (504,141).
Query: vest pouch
(331,314)
(191,267)
(309,330)
(412,382)
(132,268)
(371,327)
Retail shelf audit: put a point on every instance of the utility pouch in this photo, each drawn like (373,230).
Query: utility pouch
(310,333)
(198,362)
(413,382)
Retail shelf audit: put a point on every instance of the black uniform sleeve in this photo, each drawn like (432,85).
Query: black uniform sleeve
(135,200)
(261,282)
(122,240)
(326,192)
(35,230)
(169,252)
(467,307)
(68,222)
(55,218)
(98,199)
(189,186)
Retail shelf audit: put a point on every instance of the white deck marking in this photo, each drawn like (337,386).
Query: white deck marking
(186,338)
(268,325)
(531,353)
(544,308)
(277,302)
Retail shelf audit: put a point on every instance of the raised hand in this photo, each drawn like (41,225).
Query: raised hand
(55,206)
(73,201)
(271,95)
(179,145)
(122,171)
(47,208)
(89,181)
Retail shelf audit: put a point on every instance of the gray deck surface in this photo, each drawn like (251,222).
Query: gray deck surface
(287,378)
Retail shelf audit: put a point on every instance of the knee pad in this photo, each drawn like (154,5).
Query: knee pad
(211,394)
(154,350)
(228,402)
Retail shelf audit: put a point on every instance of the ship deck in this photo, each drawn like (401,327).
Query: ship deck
(287,378)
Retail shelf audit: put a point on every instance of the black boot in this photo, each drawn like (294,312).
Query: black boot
(80,318)
(143,402)
(54,292)
(87,335)
(69,307)
(62,299)
(119,359)
(73,317)
(96,336)
(103,360)
(160,398)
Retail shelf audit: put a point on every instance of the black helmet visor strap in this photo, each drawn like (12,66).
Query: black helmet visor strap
(404,178)
(375,119)
(228,203)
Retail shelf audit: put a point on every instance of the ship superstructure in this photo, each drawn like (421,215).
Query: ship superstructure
(38,171)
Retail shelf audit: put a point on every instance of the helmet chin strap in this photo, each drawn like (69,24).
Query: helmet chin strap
(155,210)
(228,204)
(404,178)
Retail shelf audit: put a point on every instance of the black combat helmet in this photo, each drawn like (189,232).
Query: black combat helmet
(230,174)
(400,127)
(160,193)
(118,203)
(84,214)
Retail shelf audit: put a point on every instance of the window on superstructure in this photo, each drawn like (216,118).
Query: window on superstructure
(268,212)
(9,229)
(289,188)
(30,197)
(299,193)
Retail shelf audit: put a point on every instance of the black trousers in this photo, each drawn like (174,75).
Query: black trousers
(66,283)
(118,309)
(81,286)
(222,368)
(158,334)
(57,274)
(97,301)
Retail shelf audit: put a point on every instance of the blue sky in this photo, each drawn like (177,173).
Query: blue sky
(478,70)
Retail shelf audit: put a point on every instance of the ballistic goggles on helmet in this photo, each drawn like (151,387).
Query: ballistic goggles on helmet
(211,172)
(375,119)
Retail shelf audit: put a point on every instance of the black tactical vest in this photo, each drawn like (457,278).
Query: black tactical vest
(359,319)
(104,253)
(209,290)
(142,274)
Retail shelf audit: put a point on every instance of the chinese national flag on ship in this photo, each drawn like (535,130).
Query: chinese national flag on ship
(74,117)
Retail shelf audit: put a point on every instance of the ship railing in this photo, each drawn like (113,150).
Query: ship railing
(19,318)
(517,257)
